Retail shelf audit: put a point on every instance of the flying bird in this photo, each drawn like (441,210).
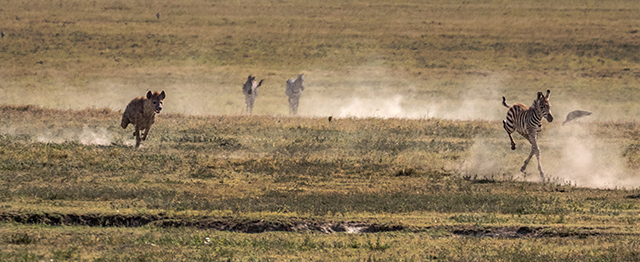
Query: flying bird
(575,115)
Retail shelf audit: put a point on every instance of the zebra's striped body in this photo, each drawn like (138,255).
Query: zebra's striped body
(250,91)
(527,121)
(294,92)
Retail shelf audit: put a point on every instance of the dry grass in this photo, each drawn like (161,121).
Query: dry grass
(416,174)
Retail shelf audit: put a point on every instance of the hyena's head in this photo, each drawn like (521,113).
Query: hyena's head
(543,105)
(156,100)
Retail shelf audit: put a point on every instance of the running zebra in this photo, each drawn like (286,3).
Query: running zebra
(527,121)
(294,92)
(250,91)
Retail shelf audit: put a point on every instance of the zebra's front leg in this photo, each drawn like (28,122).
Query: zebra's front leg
(526,161)
(539,165)
(532,137)
(535,149)
(537,152)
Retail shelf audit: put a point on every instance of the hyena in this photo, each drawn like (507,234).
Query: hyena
(294,92)
(141,112)
(250,91)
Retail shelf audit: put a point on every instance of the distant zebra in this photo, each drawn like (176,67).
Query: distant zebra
(250,91)
(294,92)
(527,121)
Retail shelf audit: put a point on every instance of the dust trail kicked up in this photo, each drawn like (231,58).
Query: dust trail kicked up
(588,160)
(86,136)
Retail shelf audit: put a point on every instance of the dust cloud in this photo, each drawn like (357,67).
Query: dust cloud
(588,160)
(86,136)
(467,99)
(487,160)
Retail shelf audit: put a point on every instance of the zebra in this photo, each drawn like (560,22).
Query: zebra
(250,91)
(294,92)
(527,121)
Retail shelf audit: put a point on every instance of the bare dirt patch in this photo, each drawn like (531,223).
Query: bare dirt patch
(297,225)
(219,223)
(535,231)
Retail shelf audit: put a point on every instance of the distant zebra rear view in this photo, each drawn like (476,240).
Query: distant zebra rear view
(250,91)
(294,92)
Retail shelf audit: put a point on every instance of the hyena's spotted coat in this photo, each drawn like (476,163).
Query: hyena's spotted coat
(141,112)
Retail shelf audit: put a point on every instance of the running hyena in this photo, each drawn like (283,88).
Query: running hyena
(250,91)
(141,112)
(294,92)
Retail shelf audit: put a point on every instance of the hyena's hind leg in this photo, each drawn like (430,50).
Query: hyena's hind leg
(506,128)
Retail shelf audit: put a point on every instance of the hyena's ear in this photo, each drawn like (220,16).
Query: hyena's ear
(548,93)
(162,95)
(149,94)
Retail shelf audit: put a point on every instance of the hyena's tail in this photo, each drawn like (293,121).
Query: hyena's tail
(125,121)
(504,102)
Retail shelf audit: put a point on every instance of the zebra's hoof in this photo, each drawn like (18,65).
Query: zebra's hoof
(513,147)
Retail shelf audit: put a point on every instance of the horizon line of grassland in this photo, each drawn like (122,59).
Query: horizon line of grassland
(77,38)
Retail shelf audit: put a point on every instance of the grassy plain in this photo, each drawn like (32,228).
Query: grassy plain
(438,183)
(408,177)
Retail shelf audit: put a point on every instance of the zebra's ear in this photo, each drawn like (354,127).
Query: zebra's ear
(540,95)
(548,93)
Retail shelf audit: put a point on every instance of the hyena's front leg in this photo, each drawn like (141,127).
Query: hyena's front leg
(137,135)
(146,132)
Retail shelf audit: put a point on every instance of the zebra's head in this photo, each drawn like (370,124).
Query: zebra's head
(299,81)
(544,107)
(250,78)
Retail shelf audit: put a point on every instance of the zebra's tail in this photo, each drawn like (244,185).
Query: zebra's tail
(504,102)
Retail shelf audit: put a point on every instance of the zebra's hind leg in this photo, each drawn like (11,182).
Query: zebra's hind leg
(513,144)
